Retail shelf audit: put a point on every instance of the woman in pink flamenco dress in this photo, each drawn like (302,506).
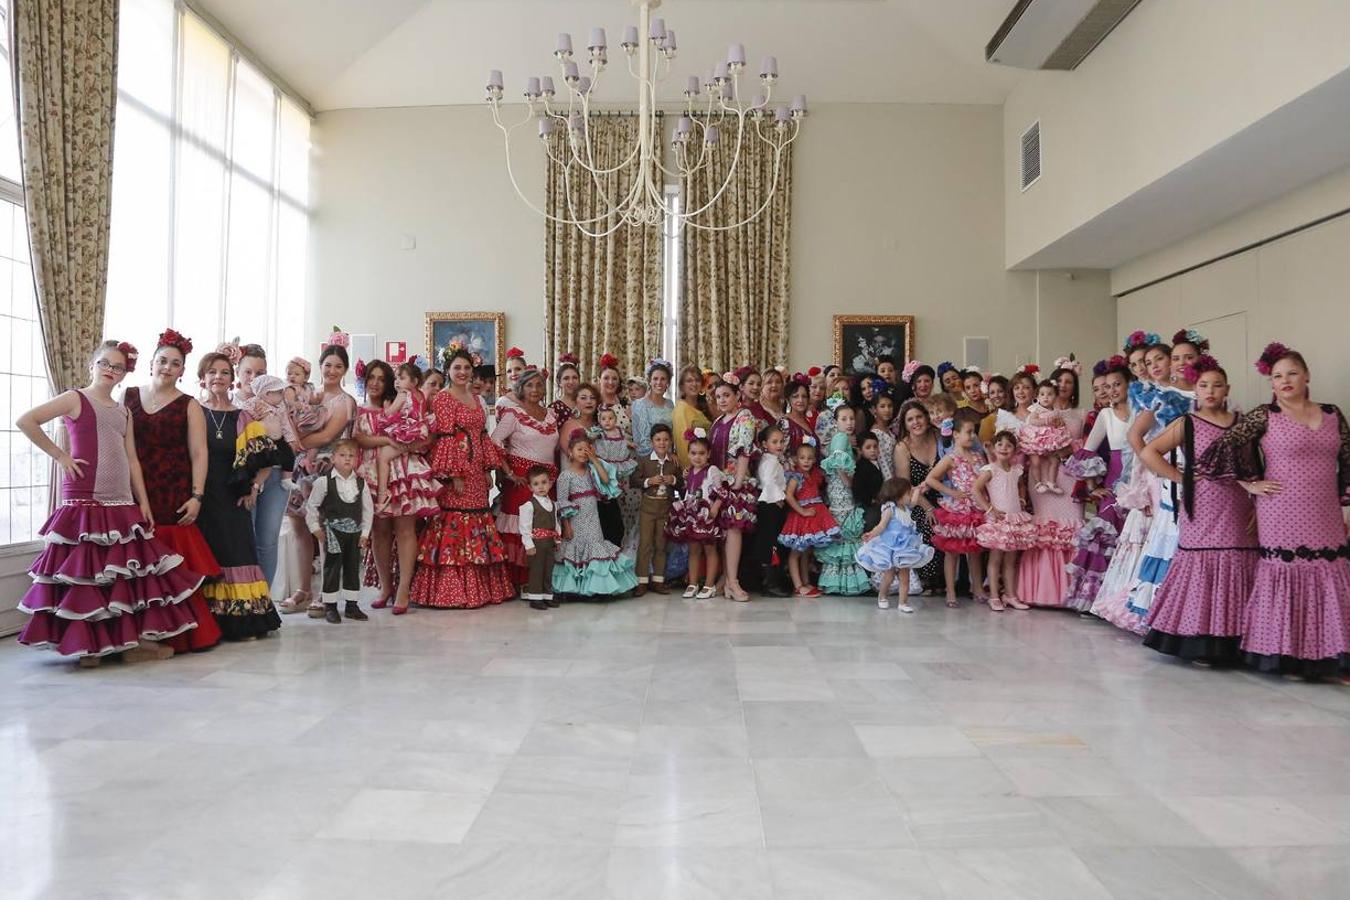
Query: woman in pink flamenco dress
(1293,457)
(102,583)
(1196,613)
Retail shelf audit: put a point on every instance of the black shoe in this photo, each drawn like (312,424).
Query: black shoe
(553,602)
(353,611)
(331,614)
(773,583)
(538,603)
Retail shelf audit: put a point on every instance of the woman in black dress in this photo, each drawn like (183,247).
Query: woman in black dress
(240,598)
(916,453)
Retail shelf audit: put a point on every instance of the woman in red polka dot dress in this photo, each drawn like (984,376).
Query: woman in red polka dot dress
(1293,457)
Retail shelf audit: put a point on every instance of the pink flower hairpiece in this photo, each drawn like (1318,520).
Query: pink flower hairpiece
(947,428)
(731,378)
(129,351)
(1110,364)
(231,351)
(339,338)
(1203,363)
(1140,339)
(907,373)
(1070,364)
(303,364)
(1268,358)
(695,434)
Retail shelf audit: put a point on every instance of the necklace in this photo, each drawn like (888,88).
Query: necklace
(220,424)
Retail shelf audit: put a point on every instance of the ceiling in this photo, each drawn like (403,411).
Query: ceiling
(372,53)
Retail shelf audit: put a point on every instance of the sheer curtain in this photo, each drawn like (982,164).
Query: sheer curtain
(210,190)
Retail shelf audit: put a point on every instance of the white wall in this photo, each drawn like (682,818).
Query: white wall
(1176,78)
(897,209)
(1292,290)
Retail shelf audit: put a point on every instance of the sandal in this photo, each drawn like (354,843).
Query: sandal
(295,603)
(953,603)
(996,604)
(1015,603)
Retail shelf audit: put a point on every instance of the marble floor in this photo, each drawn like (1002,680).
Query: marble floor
(662,748)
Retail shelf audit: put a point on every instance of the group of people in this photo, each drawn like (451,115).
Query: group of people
(900,480)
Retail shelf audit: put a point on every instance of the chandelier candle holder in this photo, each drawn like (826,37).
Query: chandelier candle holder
(713,113)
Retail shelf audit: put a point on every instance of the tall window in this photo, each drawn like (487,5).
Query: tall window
(24,471)
(210,190)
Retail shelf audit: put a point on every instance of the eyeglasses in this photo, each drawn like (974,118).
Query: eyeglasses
(111,367)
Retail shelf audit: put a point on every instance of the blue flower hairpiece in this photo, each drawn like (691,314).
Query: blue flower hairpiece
(943,368)
(948,427)
(835,401)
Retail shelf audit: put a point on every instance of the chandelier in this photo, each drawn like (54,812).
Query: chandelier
(713,112)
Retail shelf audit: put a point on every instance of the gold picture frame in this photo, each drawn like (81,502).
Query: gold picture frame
(880,335)
(483,332)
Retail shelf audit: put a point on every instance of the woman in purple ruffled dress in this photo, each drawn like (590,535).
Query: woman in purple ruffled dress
(1293,456)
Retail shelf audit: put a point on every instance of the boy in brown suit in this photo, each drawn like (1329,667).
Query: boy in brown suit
(658,477)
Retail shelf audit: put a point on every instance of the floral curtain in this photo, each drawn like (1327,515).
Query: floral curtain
(65,62)
(602,294)
(736,299)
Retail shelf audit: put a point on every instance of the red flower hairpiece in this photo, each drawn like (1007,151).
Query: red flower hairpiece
(515,353)
(129,351)
(608,361)
(814,371)
(1030,368)
(1266,361)
(180,342)
(1112,364)
(568,359)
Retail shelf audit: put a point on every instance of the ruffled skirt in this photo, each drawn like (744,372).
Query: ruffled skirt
(809,532)
(412,490)
(187,542)
(1095,546)
(738,505)
(103,583)
(1012,532)
(691,522)
(887,552)
(839,570)
(1112,601)
(1198,611)
(954,532)
(1298,618)
(461,562)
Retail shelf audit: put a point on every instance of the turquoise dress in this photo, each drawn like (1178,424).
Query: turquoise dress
(587,565)
(840,572)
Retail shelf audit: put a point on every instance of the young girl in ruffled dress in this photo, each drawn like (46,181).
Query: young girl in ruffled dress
(305,404)
(1042,437)
(1007,529)
(404,421)
(611,445)
(894,546)
(957,516)
(102,583)
(809,524)
(839,569)
(693,517)
(587,565)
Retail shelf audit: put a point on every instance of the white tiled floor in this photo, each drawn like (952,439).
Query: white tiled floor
(672,749)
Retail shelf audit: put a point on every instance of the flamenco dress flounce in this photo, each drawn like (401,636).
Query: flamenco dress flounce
(103,583)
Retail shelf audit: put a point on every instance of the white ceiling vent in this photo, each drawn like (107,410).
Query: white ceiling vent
(1031,155)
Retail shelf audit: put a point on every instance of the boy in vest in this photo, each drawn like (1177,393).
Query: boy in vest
(539,534)
(658,477)
(339,513)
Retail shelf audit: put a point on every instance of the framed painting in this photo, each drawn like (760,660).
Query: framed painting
(483,333)
(860,340)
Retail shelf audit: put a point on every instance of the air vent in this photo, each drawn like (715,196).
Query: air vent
(1031,155)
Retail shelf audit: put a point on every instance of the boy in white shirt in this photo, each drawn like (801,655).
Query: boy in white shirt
(539,535)
(339,513)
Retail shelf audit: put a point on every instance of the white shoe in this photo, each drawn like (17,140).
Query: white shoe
(884,603)
(905,608)
(690,591)
(706,593)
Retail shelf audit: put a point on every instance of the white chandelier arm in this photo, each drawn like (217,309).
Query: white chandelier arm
(731,171)
(773,189)
(613,212)
(511,174)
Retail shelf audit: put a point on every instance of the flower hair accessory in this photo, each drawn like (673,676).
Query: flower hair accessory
(879,385)
(731,378)
(809,440)
(657,363)
(339,338)
(800,378)
(1069,364)
(1028,369)
(515,353)
(836,400)
(129,351)
(608,361)
(1203,363)
(944,367)
(813,371)
(742,373)
(476,359)
(695,434)
(907,373)
(569,359)
(1264,363)
(180,342)
(1192,337)
(231,351)
(947,428)
(1138,340)
(1111,364)
(303,364)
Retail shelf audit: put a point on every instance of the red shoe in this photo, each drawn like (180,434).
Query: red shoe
(400,610)
(380,603)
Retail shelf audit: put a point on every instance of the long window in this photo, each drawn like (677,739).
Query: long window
(210,189)
(24,471)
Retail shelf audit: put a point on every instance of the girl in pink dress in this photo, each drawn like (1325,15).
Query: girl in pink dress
(694,518)
(1007,529)
(1196,613)
(957,516)
(102,583)
(1042,437)
(403,422)
(810,524)
(1293,457)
